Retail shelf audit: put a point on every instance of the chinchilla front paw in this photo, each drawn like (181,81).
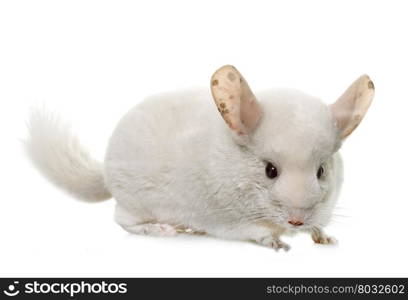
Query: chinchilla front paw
(319,237)
(274,243)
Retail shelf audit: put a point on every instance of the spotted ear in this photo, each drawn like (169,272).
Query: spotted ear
(235,100)
(351,107)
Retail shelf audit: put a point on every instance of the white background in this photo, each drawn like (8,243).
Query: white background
(94,60)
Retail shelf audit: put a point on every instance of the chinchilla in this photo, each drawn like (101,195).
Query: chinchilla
(251,167)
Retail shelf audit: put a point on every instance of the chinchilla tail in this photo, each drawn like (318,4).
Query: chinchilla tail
(60,157)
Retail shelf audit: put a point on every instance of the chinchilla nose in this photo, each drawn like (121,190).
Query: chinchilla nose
(295,222)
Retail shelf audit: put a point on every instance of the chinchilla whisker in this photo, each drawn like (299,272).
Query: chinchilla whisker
(245,220)
(340,215)
(244,207)
(247,214)
(251,221)
(246,210)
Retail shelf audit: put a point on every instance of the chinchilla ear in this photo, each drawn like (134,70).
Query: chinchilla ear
(350,108)
(235,101)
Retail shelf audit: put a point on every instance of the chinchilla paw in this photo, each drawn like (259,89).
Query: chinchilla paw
(324,239)
(274,243)
(152,229)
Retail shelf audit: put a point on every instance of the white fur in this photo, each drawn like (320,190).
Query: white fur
(172,160)
(173,164)
(60,157)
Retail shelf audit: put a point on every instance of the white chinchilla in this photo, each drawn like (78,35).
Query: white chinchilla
(261,166)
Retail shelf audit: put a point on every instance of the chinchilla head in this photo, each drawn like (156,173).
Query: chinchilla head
(284,158)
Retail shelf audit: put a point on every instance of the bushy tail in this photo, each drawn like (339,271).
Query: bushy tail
(59,156)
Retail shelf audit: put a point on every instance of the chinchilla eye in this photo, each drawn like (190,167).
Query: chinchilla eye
(271,170)
(320,172)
